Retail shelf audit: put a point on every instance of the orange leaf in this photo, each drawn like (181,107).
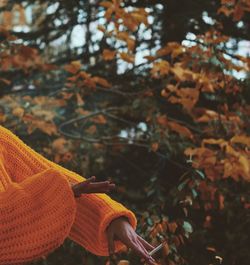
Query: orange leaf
(100,119)
(160,68)
(172,226)
(73,67)
(182,130)
(106,4)
(91,129)
(108,54)
(154,146)
(242,139)
(238,12)
(58,145)
(150,58)
(166,249)
(101,81)
(101,28)
(162,120)
(79,100)
(245,163)
(18,112)
(221,201)
(6,81)
(127,57)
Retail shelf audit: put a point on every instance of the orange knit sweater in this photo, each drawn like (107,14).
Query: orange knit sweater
(38,209)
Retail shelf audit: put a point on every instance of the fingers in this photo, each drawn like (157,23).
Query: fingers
(111,245)
(101,186)
(94,187)
(92,178)
(137,246)
(145,243)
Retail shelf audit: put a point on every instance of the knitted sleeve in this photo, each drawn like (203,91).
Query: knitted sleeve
(94,212)
(36,216)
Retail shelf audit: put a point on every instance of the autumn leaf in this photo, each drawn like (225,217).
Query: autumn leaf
(79,100)
(108,55)
(242,139)
(6,81)
(162,120)
(100,119)
(182,130)
(149,58)
(59,145)
(127,57)
(19,112)
(101,81)
(73,67)
(160,69)
(91,130)
(154,147)
(101,28)
(106,4)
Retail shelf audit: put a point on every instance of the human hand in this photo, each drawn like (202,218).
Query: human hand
(88,186)
(121,229)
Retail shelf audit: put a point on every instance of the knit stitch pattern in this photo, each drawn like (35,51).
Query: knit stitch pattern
(38,209)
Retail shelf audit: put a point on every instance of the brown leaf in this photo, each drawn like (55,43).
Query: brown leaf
(73,67)
(127,57)
(19,112)
(182,130)
(101,81)
(108,54)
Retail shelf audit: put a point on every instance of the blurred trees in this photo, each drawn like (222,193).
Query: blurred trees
(152,94)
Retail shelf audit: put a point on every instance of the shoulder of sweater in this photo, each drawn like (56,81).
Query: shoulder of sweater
(6,134)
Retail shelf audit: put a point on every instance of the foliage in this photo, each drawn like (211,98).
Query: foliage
(184,113)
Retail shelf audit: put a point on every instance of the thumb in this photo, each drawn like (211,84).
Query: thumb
(88,180)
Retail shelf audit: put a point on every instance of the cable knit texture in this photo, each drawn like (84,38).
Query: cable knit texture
(38,209)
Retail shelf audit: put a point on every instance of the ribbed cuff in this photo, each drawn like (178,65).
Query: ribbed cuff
(94,214)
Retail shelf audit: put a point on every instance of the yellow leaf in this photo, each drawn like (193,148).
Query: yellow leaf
(245,165)
(123,262)
(160,69)
(213,141)
(182,73)
(242,139)
(18,112)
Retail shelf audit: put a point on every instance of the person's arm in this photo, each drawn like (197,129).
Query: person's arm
(36,216)
(94,211)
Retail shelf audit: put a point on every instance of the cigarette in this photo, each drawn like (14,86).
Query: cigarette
(152,252)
